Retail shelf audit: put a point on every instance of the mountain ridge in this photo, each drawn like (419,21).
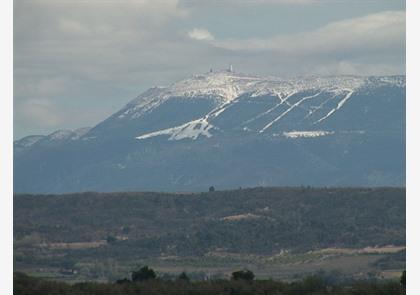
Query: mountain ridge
(327,124)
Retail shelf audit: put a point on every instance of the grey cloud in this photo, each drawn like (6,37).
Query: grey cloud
(39,110)
(200,34)
(63,50)
(370,45)
(379,32)
(77,62)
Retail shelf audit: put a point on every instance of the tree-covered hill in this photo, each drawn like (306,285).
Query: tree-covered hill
(279,232)
(256,220)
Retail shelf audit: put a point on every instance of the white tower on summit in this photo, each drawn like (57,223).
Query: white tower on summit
(231,68)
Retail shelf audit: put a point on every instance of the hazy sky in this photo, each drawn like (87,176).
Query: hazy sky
(78,61)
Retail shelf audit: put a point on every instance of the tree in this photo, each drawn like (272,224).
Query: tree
(402,279)
(143,274)
(211,189)
(123,281)
(111,239)
(183,277)
(245,275)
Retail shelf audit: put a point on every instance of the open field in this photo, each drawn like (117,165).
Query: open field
(285,267)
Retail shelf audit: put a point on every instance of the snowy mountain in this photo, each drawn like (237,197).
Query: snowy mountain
(229,129)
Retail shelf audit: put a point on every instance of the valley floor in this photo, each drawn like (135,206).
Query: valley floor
(344,263)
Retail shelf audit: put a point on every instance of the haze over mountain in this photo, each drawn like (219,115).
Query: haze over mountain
(229,130)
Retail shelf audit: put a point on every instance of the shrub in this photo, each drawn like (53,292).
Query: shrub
(143,274)
(245,275)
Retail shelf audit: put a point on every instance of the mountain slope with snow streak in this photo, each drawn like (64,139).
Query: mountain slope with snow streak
(226,88)
(227,130)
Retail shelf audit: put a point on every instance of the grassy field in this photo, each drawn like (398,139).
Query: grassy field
(347,263)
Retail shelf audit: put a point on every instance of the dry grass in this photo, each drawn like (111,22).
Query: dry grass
(74,245)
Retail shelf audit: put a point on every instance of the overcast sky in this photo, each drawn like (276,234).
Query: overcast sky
(78,61)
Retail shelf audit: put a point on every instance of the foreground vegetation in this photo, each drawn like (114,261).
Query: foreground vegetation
(25,285)
(279,232)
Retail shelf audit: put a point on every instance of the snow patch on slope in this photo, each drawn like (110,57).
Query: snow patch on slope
(288,110)
(60,135)
(192,130)
(282,100)
(29,140)
(239,217)
(225,89)
(78,133)
(225,86)
(339,105)
(307,134)
(68,134)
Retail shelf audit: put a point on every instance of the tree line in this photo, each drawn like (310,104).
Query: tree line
(242,282)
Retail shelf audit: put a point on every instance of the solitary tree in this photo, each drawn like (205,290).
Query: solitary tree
(245,275)
(183,277)
(211,189)
(143,274)
(111,239)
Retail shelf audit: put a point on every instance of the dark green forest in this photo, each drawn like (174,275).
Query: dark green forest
(267,219)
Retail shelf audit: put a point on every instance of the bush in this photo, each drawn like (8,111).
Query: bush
(183,277)
(24,285)
(402,279)
(143,274)
(245,275)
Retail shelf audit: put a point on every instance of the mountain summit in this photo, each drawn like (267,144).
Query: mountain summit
(229,129)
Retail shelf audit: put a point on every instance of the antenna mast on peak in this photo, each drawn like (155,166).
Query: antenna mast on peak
(230,68)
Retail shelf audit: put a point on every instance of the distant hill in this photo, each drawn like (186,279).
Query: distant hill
(230,129)
(258,220)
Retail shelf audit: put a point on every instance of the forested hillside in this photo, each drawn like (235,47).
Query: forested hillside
(57,230)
